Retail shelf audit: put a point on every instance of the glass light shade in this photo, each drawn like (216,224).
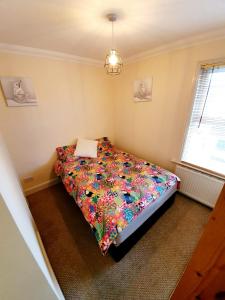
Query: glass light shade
(113,63)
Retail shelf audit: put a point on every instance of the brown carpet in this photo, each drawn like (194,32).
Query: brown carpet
(149,271)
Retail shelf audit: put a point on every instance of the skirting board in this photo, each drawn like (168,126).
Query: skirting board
(41,186)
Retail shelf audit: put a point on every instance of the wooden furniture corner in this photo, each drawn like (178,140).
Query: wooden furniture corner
(204,277)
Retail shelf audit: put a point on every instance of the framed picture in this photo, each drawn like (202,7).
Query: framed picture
(18,91)
(143,90)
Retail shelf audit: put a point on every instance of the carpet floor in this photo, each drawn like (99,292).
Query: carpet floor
(151,268)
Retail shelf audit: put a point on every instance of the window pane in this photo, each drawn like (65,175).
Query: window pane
(205,141)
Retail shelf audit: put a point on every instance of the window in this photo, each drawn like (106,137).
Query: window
(205,140)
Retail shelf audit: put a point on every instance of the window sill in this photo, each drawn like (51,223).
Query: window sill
(199,169)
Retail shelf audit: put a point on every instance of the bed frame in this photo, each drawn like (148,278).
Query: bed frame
(118,252)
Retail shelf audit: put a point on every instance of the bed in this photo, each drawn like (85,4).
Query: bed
(116,192)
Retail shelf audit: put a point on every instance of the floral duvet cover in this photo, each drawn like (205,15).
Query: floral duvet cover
(113,189)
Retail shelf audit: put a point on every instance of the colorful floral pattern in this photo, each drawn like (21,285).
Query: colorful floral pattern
(66,153)
(113,189)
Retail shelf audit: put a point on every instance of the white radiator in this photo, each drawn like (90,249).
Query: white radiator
(201,187)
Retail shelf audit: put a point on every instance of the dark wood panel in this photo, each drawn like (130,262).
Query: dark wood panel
(204,277)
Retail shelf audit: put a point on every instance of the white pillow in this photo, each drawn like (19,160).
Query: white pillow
(86,148)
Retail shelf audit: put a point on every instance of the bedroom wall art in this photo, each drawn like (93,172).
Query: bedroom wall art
(143,90)
(18,91)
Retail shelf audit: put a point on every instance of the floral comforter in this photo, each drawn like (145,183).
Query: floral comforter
(113,189)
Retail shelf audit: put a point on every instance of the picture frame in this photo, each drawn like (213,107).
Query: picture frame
(18,91)
(143,90)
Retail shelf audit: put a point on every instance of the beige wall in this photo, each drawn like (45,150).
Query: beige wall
(79,100)
(155,130)
(73,100)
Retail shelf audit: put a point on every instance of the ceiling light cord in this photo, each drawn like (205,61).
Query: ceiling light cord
(112,34)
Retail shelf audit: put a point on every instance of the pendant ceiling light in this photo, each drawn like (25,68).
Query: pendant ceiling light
(113,61)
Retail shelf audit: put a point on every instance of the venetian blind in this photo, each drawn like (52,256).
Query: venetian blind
(205,140)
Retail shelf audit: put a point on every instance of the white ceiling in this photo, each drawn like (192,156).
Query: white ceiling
(79,27)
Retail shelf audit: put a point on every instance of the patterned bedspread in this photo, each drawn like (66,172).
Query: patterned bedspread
(113,189)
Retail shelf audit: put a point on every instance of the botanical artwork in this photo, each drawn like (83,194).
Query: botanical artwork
(143,90)
(18,91)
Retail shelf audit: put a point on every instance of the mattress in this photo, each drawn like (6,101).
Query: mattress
(144,215)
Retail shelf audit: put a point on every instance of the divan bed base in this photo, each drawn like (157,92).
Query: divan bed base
(118,252)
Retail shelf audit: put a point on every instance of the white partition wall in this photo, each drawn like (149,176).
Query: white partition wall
(15,204)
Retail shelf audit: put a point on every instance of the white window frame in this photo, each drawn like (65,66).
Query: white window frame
(188,121)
